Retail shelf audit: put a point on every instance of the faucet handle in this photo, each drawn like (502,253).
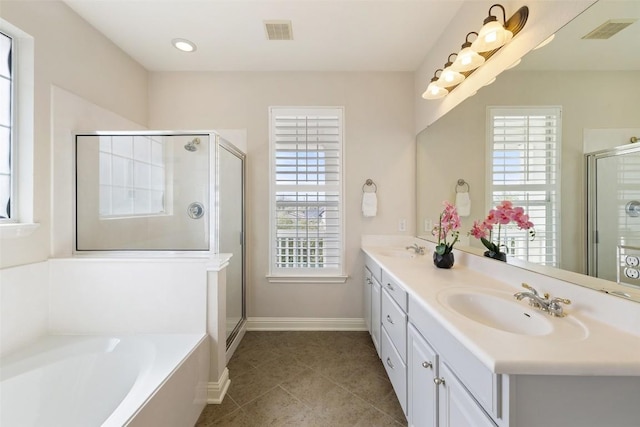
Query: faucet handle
(555,309)
(529,287)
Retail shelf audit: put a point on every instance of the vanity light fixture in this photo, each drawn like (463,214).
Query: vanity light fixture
(184,45)
(493,34)
(449,77)
(435,91)
(467,59)
(490,39)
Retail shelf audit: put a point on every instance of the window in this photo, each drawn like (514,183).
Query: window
(7,148)
(524,147)
(132,176)
(16,132)
(306,194)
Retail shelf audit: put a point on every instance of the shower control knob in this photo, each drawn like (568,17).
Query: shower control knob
(195,210)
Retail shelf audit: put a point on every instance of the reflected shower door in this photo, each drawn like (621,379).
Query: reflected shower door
(616,180)
(231,232)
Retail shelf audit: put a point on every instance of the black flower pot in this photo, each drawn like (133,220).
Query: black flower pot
(443,261)
(500,256)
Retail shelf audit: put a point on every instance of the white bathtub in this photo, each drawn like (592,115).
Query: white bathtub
(87,381)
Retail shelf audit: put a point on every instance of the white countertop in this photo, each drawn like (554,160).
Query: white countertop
(600,349)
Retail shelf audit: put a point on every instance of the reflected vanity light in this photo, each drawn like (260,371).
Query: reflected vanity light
(515,64)
(472,56)
(184,45)
(546,42)
(490,81)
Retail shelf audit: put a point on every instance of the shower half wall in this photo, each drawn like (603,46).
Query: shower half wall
(164,193)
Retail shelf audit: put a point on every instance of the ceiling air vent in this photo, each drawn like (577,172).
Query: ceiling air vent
(278,30)
(609,29)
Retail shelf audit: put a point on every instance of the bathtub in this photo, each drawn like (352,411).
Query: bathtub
(86,381)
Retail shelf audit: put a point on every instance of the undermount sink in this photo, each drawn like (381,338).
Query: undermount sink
(498,310)
(398,253)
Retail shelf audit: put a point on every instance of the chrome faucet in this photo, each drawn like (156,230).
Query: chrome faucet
(419,250)
(551,306)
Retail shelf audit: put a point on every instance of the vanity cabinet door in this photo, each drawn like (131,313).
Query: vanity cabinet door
(367,298)
(376,295)
(456,407)
(422,369)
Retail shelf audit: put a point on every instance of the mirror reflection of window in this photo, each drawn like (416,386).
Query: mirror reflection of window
(132,176)
(524,146)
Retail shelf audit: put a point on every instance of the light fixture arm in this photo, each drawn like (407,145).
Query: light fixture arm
(492,18)
(466,39)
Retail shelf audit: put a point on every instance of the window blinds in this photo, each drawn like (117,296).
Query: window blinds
(307,190)
(525,156)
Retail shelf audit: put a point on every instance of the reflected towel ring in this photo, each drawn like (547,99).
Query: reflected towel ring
(462,183)
(369,183)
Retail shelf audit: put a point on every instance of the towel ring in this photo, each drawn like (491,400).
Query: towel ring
(369,183)
(462,183)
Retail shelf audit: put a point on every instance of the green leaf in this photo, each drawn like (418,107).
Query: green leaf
(489,245)
(441,249)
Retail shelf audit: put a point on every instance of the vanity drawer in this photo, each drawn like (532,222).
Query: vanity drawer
(394,321)
(374,268)
(396,369)
(396,291)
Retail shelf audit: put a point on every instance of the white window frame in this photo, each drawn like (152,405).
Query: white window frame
(134,186)
(554,258)
(21,223)
(309,274)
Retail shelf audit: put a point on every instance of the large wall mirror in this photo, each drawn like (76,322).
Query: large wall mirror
(596,84)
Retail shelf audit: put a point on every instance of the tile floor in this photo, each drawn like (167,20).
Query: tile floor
(320,379)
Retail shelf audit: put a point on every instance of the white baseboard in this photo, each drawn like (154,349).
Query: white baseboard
(217,390)
(304,324)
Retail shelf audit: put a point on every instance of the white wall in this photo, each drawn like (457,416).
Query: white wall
(71,54)
(454,146)
(24,305)
(127,296)
(379,142)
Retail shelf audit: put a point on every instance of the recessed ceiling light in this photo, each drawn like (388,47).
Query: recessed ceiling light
(183,45)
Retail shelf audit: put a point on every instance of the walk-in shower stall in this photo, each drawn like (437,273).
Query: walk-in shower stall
(163,193)
(613,220)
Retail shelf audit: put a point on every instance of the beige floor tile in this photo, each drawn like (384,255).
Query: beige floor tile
(278,408)
(302,378)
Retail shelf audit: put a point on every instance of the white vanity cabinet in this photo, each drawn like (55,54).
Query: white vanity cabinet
(366,295)
(394,336)
(436,395)
(374,272)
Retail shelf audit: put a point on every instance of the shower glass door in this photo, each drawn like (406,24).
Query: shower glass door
(614,206)
(231,232)
(142,191)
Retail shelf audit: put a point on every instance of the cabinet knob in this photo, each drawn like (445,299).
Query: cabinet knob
(390,286)
(389,319)
(389,363)
(438,381)
(427,365)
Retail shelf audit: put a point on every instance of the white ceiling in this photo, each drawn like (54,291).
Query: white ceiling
(329,35)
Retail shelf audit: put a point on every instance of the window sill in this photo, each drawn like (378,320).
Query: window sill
(14,230)
(307,279)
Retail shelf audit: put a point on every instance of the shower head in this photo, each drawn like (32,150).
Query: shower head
(191,145)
